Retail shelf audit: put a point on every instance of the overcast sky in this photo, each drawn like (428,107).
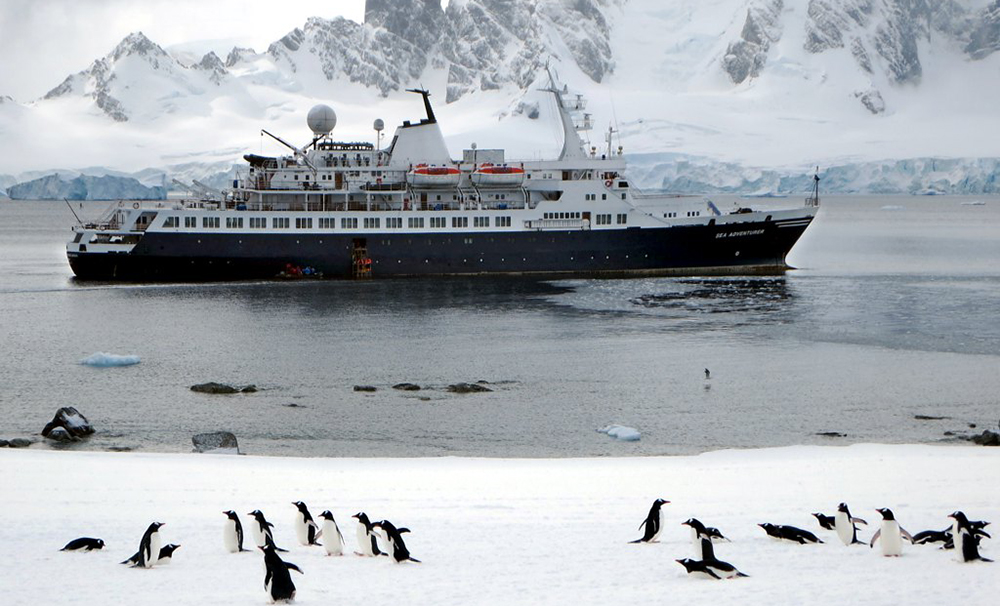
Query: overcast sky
(43,41)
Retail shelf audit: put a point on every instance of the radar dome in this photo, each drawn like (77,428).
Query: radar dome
(321,119)
(379,124)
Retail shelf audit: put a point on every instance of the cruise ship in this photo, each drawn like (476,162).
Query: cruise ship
(357,210)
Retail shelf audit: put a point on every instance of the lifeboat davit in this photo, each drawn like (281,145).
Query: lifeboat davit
(497,175)
(423,175)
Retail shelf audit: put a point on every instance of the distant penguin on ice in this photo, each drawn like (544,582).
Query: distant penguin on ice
(891,534)
(149,548)
(825,521)
(166,554)
(653,523)
(701,539)
(845,525)
(232,533)
(708,374)
(277,581)
(367,541)
(84,544)
(966,542)
(714,569)
(393,538)
(789,533)
(261,530)
(306,528)
(334,542)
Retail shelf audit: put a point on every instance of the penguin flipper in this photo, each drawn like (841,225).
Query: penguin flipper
(859,521)
(740,574)
(878,533)
(402,530)
(906,535)
(291,566)
(413,560)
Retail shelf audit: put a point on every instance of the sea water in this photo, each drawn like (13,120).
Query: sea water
(892,313)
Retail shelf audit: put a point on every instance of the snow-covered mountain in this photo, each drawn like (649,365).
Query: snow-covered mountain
(775,84)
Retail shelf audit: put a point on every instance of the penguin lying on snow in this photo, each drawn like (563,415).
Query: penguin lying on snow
(166,554)
(83,544)
(305,527)
(713,569)
(149,548)
(232,533)
(966,542)
(891,533)
(653,523)
(789,533)
(277,581)
(825,521)
(846,525)
(392,536)
(945,536)
(334,542)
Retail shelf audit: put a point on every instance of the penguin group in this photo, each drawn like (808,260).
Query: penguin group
(963,535)
(381,538)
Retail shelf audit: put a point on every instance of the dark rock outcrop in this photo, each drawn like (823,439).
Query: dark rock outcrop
(218,440)
(19,443)
(220,388)
(406,387)
(987,438)
(468,388)
(72,423)
(365,388)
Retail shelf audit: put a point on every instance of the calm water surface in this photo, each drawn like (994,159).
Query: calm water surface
(893,313)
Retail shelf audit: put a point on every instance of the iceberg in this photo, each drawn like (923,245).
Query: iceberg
(621,433)
(107,360)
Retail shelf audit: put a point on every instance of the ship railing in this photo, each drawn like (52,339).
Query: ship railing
(542,224)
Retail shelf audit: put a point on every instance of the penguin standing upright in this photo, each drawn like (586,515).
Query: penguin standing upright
(334,542)
(394,540)
(149,548)
(367,541)
(305,527)
(653,523)
(891,533)
(966,541)
(232,533)
(261,531)
(700,539)
(166,554)
(845,525)
(277,581)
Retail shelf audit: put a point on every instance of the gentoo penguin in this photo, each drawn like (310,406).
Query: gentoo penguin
(83,544)
(933,536)
(149,548)
(653,523)
(845,525)
(700,539)
(393,538)
(891,533)
(966,542)
(305,527)
(261,530)
(166,553)
(232,533)
(367,541)
(708,374)
(713,569)
(277,581)
(825,521)
(334,543)
(789,533)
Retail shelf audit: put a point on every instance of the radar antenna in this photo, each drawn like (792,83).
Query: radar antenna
(814,199)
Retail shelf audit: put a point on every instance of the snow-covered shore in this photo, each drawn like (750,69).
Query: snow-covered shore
(497,531)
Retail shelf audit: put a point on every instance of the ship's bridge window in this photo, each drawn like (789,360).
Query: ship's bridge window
(234,222)
(280,222)
(191,222)
(172,222)
(210,222)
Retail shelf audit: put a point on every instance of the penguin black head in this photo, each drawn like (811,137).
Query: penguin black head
(302,506)
(168,550)
(842,508)
(695,524)
(231,515)
(326,515)
(99,543)
(687,563)
(886,513)
(660,502)
(155,526)
(959,517)
(257,514)
(362,518)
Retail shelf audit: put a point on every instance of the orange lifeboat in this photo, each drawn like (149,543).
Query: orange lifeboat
(423,175)
(497,175)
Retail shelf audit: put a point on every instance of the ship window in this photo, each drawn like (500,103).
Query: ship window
(415,222)
(437,222)
(258,222)
(210,222)
(327,222)
(190,221)
(481,221)
(303,222)
(296,177)
(349,223)
(623,196)
(604,196)
(503,222)
(172,222)
(234,222)
(394,222)
(459,221)
(372,222)
(280,222)
(622,219)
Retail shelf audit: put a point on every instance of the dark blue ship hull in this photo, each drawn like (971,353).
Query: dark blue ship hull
(733,249)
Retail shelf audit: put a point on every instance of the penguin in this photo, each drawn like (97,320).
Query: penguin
(367,541)
(277,581)
(305,527)
(166,553)
(261,531)
(933,536)
(149,548)
(232,533)
(845,525)
(966,542)
(708,374)
(714,569)
(826,522)
(891,533)
(789,533)
(653,523)
(700,539)
(334,543)
(84,544)
(393,538)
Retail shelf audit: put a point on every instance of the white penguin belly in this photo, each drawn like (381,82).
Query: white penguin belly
(258,534)
(659,529)
(154,549)
(364,541)
(892,543)
(229,537)
(845,528)
(301,530)
(332,543)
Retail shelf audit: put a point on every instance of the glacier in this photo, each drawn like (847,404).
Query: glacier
(85,187)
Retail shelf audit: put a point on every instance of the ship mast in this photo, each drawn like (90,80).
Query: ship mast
(573,145)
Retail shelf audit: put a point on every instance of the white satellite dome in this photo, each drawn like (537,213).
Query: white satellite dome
(321,119)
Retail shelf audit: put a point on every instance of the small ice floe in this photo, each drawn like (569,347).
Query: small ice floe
(893,207)
(106,360)
(621,433)
(974,203)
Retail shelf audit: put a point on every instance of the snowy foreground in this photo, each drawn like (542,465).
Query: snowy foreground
(495,531)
